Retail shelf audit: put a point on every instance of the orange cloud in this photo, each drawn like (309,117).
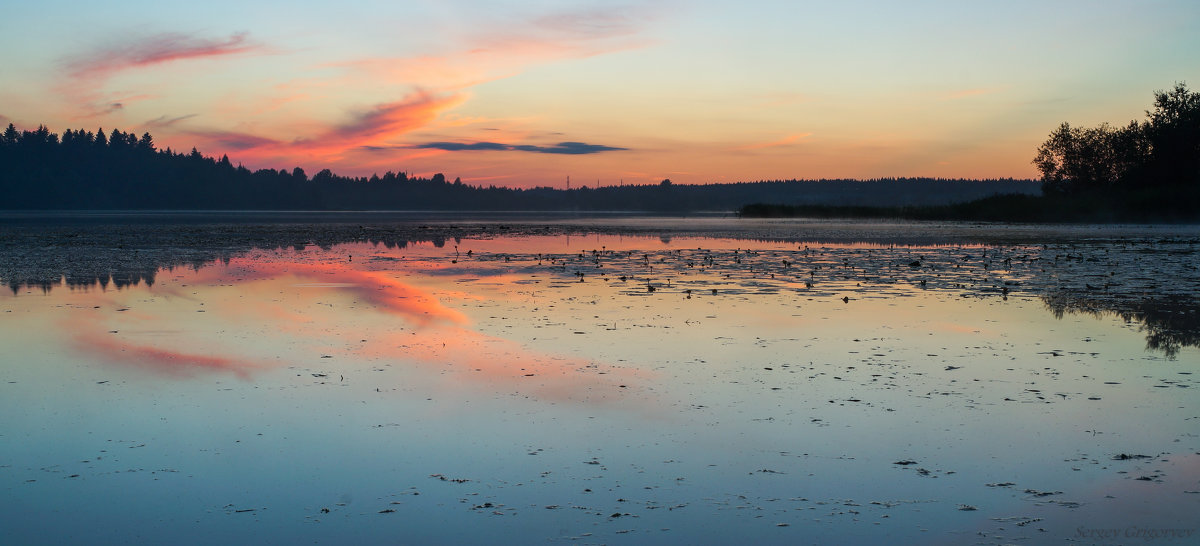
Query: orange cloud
(374,127)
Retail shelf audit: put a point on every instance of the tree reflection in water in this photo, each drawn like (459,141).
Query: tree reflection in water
(1169,323)
(1092,270)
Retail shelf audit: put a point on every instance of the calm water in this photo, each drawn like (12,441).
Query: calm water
(606,381)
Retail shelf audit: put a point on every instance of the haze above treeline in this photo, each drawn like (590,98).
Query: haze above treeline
(85,170)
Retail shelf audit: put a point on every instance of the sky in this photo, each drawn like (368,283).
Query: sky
(530,93)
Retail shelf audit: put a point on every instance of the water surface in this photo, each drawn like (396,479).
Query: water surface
(597,382)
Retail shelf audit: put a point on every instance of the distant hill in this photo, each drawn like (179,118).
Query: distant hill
(82,170)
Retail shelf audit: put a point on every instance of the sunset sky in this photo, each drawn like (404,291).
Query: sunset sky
(529,93)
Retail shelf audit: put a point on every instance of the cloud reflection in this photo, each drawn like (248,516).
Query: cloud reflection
(166,361)
(503,364)
(296,310)
(387,293)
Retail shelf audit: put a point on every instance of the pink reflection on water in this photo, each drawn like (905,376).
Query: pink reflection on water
(167,361)
(263,311)
(504,364)
(375,287)
(104,338)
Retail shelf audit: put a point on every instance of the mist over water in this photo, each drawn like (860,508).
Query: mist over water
(597,380)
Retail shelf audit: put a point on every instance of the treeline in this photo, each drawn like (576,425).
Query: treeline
(84,170)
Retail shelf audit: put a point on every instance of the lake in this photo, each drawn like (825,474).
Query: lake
(405,378)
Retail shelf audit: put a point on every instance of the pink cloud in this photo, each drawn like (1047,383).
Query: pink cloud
(163,121)
(157,49)
(85,75)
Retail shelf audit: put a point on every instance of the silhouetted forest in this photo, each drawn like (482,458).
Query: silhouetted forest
(85,170)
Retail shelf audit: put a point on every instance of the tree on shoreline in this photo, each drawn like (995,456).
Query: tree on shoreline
(1162,152)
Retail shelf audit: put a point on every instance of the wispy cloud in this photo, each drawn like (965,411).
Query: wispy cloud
(465,146)
(163,121)
(593,23)
(99,110)
(86,74)
(110,106)
(567,148)
(232,140)
(498,48)
(569,33)
(159,48)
